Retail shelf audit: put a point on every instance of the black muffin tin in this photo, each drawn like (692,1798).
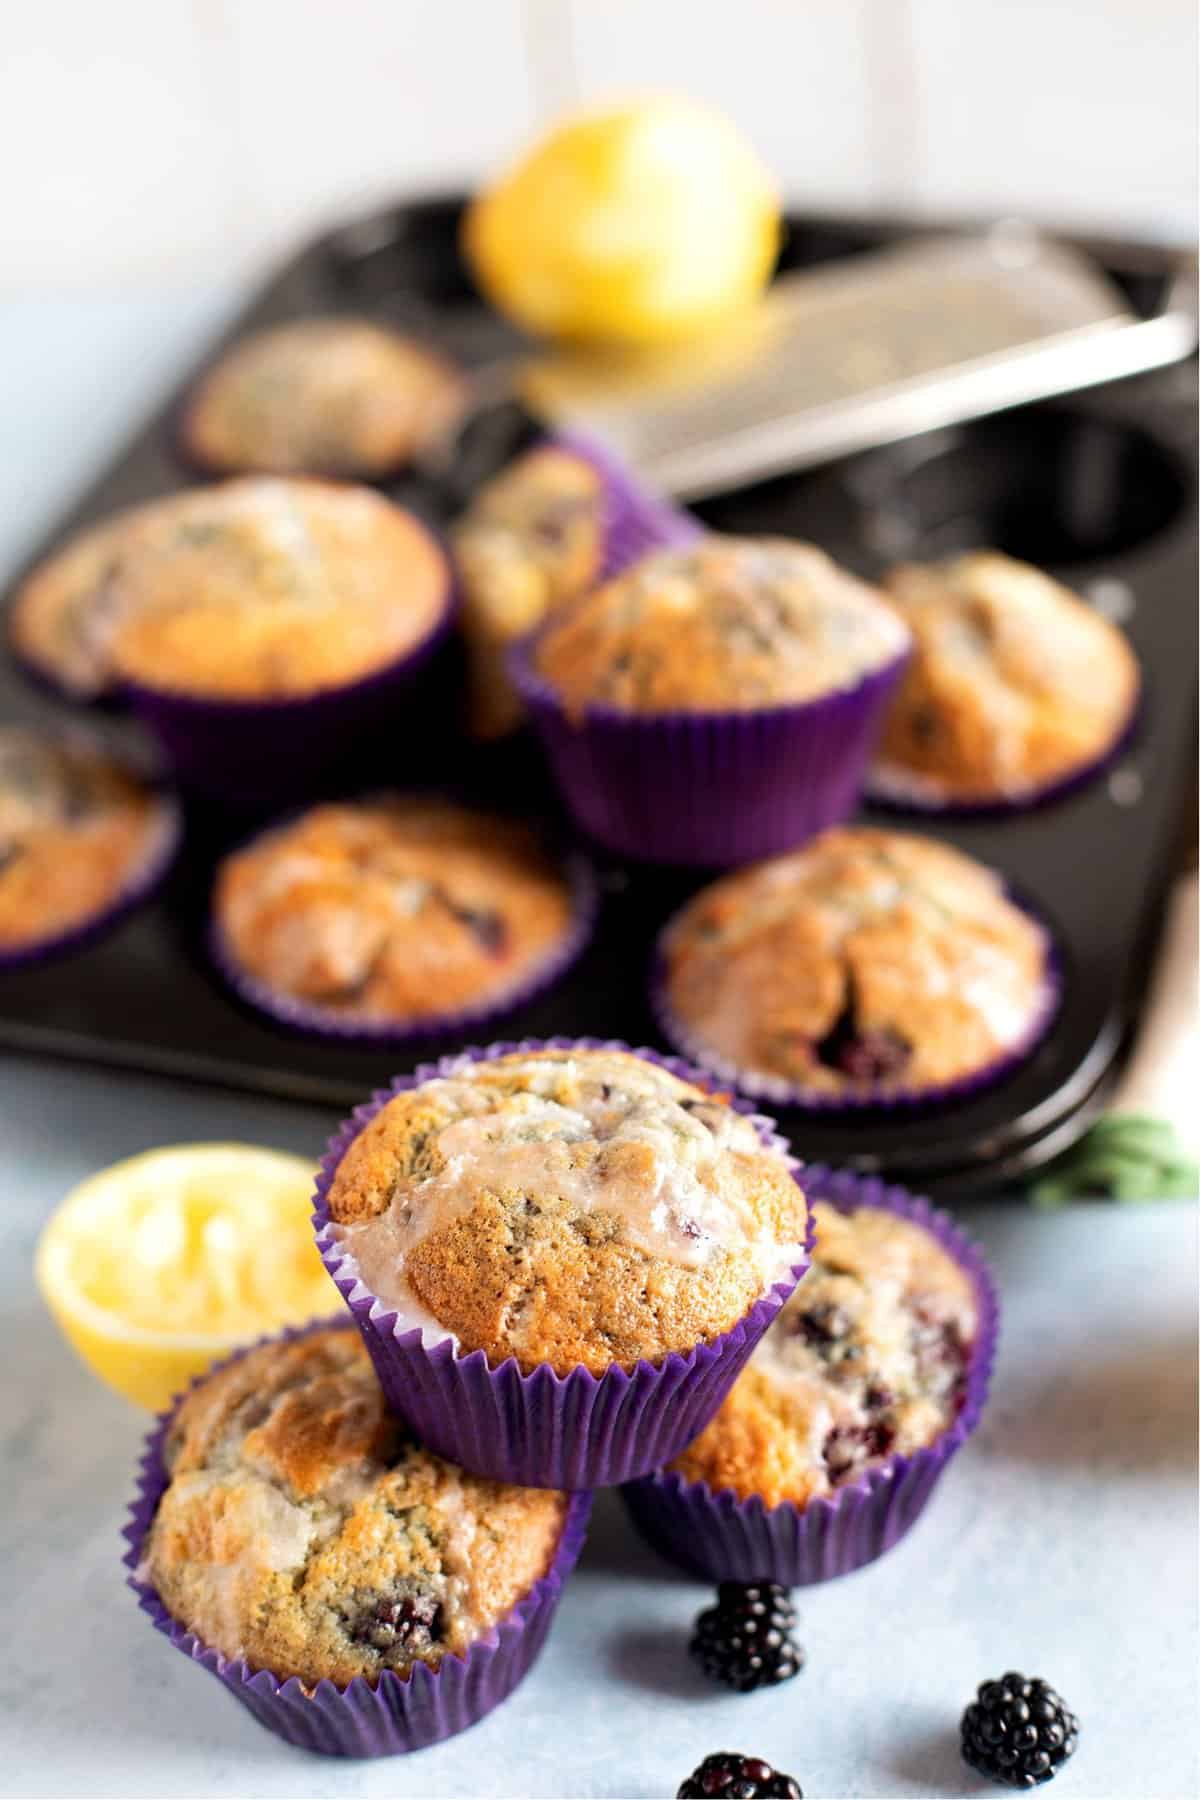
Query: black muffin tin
(1099,489)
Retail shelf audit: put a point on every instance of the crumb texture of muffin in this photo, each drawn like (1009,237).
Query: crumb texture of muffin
(265,588)
(392,909)
(303,1529)
(727,624)
(567,1207)
(326,396)
(868,960)
(868,1359)
(531,540)
(76,831)
(1014,684)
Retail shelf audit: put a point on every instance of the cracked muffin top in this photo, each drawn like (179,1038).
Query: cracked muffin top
(76,829)
(532,539)
(1014,682)
(392,908)
(869,1358)
(727,624)
(305,1530)
(332,396)
(566,1207)
(869,959)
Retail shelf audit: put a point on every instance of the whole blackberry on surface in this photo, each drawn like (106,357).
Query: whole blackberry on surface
(745,1640)
(739,1777)
(1018,1731)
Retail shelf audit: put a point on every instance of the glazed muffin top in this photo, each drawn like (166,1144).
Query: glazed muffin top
(329,396)
(867,960)
(727,624)
(268,588)
(566,1207)
(76,829)
(304,1529)
(392,908)
(1014,682)
(869,1358)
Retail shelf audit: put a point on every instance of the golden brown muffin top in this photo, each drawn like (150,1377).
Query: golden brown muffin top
(76,830)
(532,539)
(869,1358)
(566,1207)
(868,960)
(304,1529)
(270,588)
(392,908)
(727,624)
(331,396)
(1014,682)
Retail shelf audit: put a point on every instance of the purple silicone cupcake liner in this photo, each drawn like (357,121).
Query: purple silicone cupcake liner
(636,521)
(544,1430)
(360,1720)
(317,1021)
(708,788)
(253,752)
(718,1537)
(777,1092)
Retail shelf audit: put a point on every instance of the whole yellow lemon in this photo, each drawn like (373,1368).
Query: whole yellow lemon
(641,222)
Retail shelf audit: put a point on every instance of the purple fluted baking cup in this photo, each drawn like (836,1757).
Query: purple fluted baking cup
(636,521)
(545,1430)
(778,1092)
(359,1720)
(253,752)
(708,789)
(317,1021)
(718,1537)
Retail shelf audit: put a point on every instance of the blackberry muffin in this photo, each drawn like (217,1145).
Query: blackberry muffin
(326,396)
(574,1208)
(729,624)
(868,1359)
(304,1530)
(1015,684)
(80,836)
(391,911)
(532,539)
(869,963)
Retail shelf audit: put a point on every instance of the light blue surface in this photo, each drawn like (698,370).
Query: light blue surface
(1063,1541)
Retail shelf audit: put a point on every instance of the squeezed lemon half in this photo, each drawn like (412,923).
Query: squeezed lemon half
(157,1267)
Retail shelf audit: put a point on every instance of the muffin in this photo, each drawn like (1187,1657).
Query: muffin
(564,1217)
(327,396)
(1015,687)
(533,538)
(716,701)
(395,914)
(359,1594)
(870,1378)
(82,839)
(870,964)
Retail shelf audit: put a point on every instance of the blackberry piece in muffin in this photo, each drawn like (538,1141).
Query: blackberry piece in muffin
(869,1358)
(868,962)
(531,540)
(391,910)
(78,832)
(727,624)
(566,1207)
(326,396)
(303,1528)
(1015,684)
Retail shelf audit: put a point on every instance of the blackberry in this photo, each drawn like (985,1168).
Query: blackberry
(739,1777)
(1018,1732)
(745,1639)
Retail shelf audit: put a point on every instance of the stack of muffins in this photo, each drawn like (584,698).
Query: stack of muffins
(567,1264)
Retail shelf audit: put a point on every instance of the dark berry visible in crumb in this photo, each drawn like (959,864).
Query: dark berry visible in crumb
(488,927)
(399,1622)
(739,1777)
(862,1054)
(848,1448)
(745,1640)
(1018,1732)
